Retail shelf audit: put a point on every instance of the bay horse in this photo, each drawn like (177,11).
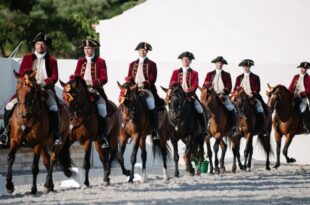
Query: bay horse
(186,127)
(30,123)
(84,125)
(248,128)
(286,120)
(136,125)
(218,127)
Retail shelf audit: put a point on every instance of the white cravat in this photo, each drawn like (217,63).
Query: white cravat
(140,75)
(41,73)
(218,82)
(184,83)
(300,87)
(87,75)
(246,83)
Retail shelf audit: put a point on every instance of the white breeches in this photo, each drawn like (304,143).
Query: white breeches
(228,104)
(150,101)
(102,107)
(258,106)
(303,105)
(198,106)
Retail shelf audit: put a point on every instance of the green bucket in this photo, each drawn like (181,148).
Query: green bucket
(204,166)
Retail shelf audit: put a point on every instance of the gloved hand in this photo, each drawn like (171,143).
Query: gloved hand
(89,82)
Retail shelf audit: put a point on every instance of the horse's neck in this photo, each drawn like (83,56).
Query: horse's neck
(285,111)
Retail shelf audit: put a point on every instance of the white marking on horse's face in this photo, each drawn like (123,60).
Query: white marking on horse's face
(71,127)
(23,127)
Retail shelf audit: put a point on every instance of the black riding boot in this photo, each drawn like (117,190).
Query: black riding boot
(306,121)
(56,127)
(233,118)
(261,123)
(103,126)
(4,137)
(203,123)
(154,121)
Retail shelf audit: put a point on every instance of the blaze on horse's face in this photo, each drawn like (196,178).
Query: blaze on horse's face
(175,100)
(26,94)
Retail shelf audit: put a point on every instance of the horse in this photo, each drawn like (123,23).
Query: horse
(186,127)
(30,123)
(248,128)
(84,125)
(286,120)
(136,125)
(218,127)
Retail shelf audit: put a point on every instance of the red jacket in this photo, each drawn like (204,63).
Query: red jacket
(254,82)
(225,77)
(50,64)
(306,93)
(149,71)
(191,79)
(98,70)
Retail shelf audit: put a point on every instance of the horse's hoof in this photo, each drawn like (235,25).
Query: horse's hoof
(268,168)
(177,175)
(106,183)
(248,169)
(198,173)
(241,167)
(33,191)
(276,166)
(126,173)
(190,174)
(46,190)
(10,188)
(222,170)
(291,160)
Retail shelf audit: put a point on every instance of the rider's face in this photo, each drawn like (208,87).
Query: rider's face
(246,69)
(89,51)
(186,61)
(40,47)
(142,52)
(303,70)
(219,65)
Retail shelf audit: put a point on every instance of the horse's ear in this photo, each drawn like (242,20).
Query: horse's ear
(164,89)
(62,84)
(16,74)
(120,86)
(269,88)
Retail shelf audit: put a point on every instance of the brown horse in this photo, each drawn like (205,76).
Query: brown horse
(30,123)
(137,126)
(218,127)
(286,120)
(248,128)
(84,125)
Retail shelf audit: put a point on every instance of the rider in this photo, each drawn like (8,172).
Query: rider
(300,88)
(221,82)
(46,70)
(143,72)
(93,70)
(189,84)
(251,85)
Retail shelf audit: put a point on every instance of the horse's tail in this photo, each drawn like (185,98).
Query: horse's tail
(161,151)
(64,159)
(264,141)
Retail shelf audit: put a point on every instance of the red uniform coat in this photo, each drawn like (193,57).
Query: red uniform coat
(191,79)
(50,65)
(306,93)
(254,83)
(225,77)
(98,70)
(149,71)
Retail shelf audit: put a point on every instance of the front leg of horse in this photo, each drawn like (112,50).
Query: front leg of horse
(104,156)
(49,162)
(278,139)
(86,163)
(285,149)
(189,167)
(216,161)
(222,162)
(11,158)
(122,147)
(250,156)
(175,157)
(133,159)
(143,158)
(209,150)
(246,152)
(35,169)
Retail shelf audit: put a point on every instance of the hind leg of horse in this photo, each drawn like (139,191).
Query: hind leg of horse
(49,165)
(235,149)
(209,151)
(164,151)
(222,162)
(35,168)
(278,139)
(86,163)
(250,155)
(175,157)
(121,150)
(11,158)
(265,140)
(104,155)
(216,149)
(143,158)
(288,141)
(247,150)
(133,158)
(189,168)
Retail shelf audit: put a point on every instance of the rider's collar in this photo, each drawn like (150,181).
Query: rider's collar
(39,55)
(218,70)
(89,58)
(185,69)
(247,74)
(141,60)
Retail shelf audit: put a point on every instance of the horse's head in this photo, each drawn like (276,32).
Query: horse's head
(27,93)
(128,98)
(175,99)
(209,97)
(278,96)
(240,98)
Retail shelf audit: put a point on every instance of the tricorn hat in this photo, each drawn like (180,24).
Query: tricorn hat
(186,54)
(304,65)
(90,42)
(41,37)
(219,59)
(247,62)
(144,45)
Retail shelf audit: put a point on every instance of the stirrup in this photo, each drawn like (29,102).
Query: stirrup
(104,143)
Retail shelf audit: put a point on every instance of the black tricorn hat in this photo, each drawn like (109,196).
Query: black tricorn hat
(90,42)
(41,37)
(304,65)
(247,62)
(144,45)
(219,59)
(186,54)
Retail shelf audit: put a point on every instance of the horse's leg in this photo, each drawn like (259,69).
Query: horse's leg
(222,162)
(216,149)
(250,153)
(121,150)
(104,158)
(49,165)
(11,158)
(278,139)
(143,158)
(35,168)
(235,150)
(175,157)
(164,151)
(136,139)
(267,140)
(188,151)
(289,138)
(246,150)
(201,158)
(86,163)
(209,151)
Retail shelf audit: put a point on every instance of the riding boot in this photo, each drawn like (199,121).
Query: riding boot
(260,116)
(203,123)
(56,127)
(103,126)
(4,137)
(233,120)
(154,121)
(306,121)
